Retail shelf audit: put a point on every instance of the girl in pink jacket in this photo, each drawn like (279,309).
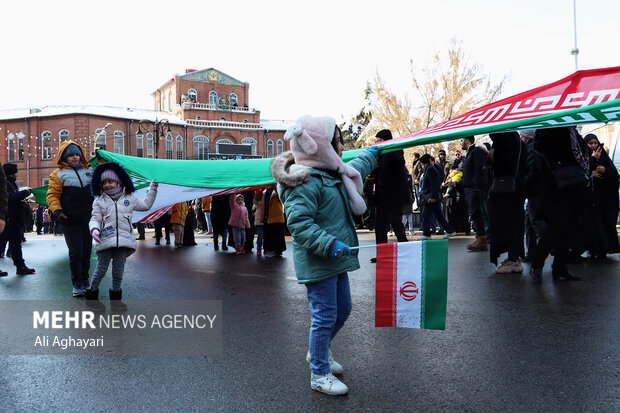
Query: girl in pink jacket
(239,221)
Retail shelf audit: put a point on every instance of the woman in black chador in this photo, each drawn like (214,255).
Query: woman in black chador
(603,237)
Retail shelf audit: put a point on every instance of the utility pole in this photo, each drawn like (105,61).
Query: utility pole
(575,50)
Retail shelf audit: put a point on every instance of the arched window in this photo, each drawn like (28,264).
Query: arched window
(168,146)
(233,99)
(179,147)
(213,98)
(20,146)
(119,142)
(252,142)
(11,147)
(149,145)
(63,135)
(221,141)
(269,148)
(201,147)
(279,147)
(192,95)
(46,145)
(139,145)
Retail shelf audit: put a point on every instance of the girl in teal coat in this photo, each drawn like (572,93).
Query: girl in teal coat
(320,193)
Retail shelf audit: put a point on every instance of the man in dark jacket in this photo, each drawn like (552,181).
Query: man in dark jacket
(430,194)
(391,193)
(15,218)
(475,183)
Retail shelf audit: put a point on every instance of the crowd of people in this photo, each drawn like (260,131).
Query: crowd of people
(525,194)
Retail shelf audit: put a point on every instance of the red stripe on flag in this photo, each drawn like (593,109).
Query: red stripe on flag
(385,308)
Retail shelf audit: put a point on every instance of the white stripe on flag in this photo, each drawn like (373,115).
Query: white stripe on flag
(409,285)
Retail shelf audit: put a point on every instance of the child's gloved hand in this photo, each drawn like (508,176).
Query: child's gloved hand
(153,186)
(338,249)
(95,232)
(374,150)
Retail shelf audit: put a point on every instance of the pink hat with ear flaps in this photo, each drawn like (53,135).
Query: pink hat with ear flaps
(311,146)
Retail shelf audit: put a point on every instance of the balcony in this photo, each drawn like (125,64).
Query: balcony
(223,124)
(213,106)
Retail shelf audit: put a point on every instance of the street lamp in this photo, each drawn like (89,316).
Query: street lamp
(158,131)
(99,141)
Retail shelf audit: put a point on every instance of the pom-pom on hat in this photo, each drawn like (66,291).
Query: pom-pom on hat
(71,149)
(311,146)
(384,134)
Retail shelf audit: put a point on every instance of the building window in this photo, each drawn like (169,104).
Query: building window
(279,147)
(168,146)
(45,182)
(170,101)
(252,142)
(220,142)
(233,99)
(149,145)
(179,147)
(46,145)
(201,147)
(63,135)
(11,147)
(192,95)
(269,148)
(119,142)
(213,98)
(20,146)
(139,145)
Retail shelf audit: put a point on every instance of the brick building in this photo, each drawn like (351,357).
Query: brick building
(197,115)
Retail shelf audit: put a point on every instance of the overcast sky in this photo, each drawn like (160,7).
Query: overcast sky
(300,57)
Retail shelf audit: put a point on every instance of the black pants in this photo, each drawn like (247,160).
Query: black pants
(530,233)
(384,217)
(474,205)
(13,236)
(80,243)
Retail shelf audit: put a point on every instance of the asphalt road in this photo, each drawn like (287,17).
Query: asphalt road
(509,345)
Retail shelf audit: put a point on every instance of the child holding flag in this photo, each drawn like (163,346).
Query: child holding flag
(320,193)
(110,226)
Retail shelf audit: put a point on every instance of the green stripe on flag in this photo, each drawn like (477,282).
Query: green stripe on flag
(435,283)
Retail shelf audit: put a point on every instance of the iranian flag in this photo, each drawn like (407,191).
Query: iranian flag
(586,96)
(412,283)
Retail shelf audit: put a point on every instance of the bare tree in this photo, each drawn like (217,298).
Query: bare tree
(448,87)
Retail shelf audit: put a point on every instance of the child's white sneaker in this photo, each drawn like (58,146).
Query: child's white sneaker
(328,384)
(335,367)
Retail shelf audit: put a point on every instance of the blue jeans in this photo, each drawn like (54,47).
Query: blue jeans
(330,304)
(208,219)
(259,236)
(118,256)
(432,210)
